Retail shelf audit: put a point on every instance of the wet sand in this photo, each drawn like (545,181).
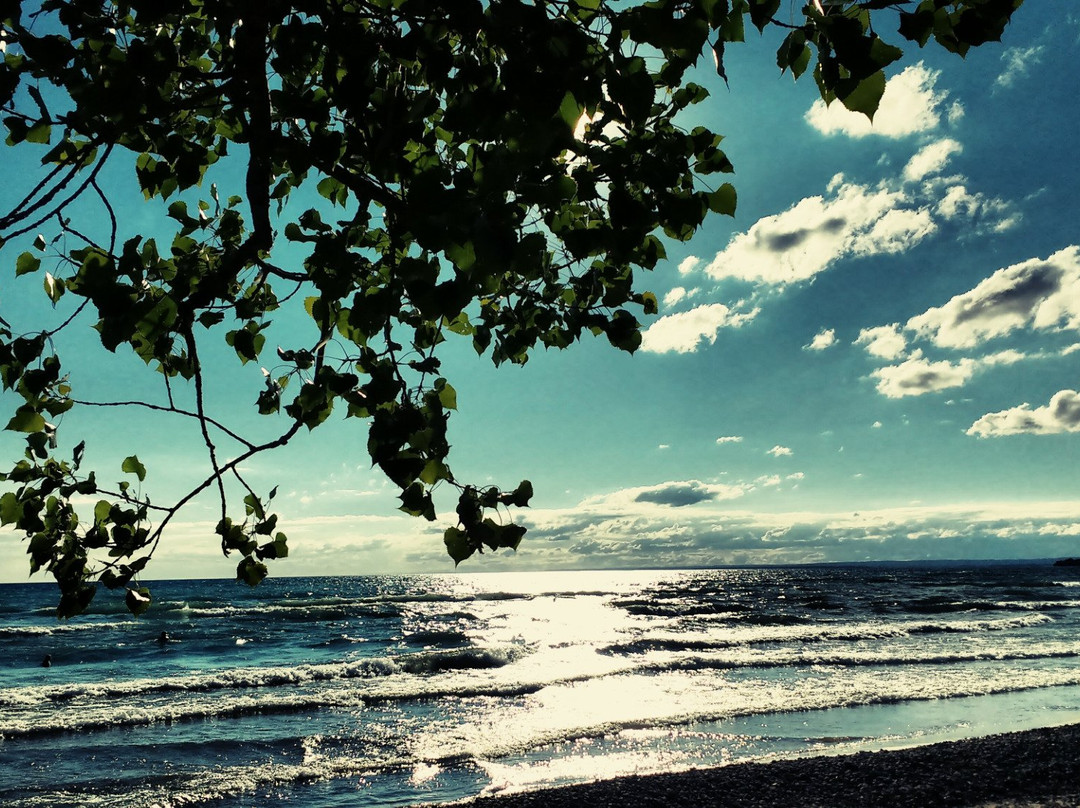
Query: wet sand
(1033,768)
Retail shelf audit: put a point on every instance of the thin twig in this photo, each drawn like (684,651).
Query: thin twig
(170,408)
(75,195)
(189,334)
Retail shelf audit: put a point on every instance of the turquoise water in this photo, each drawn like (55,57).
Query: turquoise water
(397,690)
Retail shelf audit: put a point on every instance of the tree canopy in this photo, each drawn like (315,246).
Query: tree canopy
(399,173)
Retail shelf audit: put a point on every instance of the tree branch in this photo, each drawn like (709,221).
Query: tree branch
(172,409)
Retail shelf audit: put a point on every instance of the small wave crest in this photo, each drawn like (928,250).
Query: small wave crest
(266,677)
(856,632)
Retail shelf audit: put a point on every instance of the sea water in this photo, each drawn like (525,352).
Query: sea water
(383,690)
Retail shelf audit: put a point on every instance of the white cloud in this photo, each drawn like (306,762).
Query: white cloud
(809,237)
(1062,414)
(673,297)
(876,425)
(687,331)
(931,159)
(688,264)
(729,439)
(917,375)
(619,532)
(672,494)
(1036,294)
(1009,356)
(959,202)
(858,221)
(825,338)
(1042,294)
(780,451)
(911,104)
(884,341)
(894,232)
(1018,62)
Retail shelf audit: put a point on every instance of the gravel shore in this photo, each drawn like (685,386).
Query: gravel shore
(1034,768)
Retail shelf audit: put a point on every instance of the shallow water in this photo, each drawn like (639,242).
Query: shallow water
(396,690)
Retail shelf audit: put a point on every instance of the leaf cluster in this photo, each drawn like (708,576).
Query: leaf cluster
(425,186)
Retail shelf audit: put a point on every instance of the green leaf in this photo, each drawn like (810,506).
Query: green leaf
(251,572)
(762,11)
(723,200)
(101,511)
(459,325)
(11,510)
(138,600)
(75,601)
(253,506)
(463,256)
(131,465)
(457,544)
(416,501)
(40,132)
(26,419)
(26,263)
(865,96)
(434,471)
(447,394)
(649,303)
(53,288)
(570,110)
(208,319)
(522,494)
(278,548)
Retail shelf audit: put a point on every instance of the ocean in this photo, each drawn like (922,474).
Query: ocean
(399,690)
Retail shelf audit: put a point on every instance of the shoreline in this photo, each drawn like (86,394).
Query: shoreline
(1038,767)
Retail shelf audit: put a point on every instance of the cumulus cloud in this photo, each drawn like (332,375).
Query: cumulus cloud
(1062,414)
(1037,295)
(988,212)
(853,220)
(825,338)
(883,341)
(687,331)
(918,375)
(931,159)
(729,439)
(598,534)
(673,297)
(911,104)
(621,531)
(688,264)
(780,451)
(1018,62)
(1041,294)
(894,232)
(684,493)
(671,494)
(812,235)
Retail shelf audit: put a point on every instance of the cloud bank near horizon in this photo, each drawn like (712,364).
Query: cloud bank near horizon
(671,525)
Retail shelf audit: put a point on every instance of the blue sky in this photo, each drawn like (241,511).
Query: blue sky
(875,359)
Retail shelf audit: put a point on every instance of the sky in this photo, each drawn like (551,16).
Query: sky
(875,359)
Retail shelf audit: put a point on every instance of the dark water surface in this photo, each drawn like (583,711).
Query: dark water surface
(389,690)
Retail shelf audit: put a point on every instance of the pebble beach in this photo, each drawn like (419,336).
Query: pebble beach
(1034,768)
